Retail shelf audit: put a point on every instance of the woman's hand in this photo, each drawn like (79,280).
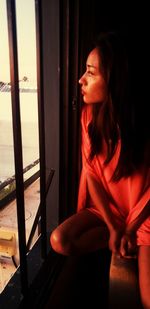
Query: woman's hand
(128,245)
(123,244)
(115,240)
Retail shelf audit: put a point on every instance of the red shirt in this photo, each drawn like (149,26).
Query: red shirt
(127,197)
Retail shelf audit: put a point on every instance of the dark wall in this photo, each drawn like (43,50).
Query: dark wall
(50,10)
(97,16)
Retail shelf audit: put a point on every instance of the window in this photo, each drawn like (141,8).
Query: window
(47,19)
(28,103)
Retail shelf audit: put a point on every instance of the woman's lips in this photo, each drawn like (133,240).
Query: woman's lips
(83,92)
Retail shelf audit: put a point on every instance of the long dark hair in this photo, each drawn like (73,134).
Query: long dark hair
(120,116)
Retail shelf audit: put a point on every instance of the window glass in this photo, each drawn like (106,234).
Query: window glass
(26,38)
(6,134)
(26,41)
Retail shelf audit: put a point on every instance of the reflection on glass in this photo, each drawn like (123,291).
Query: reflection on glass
(26,39)
(6,133)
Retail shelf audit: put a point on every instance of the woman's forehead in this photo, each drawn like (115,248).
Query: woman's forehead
(93,59)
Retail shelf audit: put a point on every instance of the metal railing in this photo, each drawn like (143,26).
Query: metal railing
(9,180)
(8,187)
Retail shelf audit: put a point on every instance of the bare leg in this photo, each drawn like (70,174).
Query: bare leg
(144,275)
(81,233)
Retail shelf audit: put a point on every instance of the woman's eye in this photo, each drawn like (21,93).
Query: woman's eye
(90,73)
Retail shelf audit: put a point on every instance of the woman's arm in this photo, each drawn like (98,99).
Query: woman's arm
(135,224)
(101,202)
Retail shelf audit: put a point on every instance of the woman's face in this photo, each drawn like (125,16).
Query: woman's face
(93,85)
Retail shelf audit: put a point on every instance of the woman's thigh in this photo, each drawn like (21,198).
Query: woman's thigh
(81,233)
(80,223)
(144,275)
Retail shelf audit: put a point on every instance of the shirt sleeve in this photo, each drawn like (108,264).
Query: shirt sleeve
(89,166)
(140,204)
(85,151)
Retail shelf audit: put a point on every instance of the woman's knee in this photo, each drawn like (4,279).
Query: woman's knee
(145,293)
(145,298)
(60,241)
(144,275)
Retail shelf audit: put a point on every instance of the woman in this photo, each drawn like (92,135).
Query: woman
(114,194)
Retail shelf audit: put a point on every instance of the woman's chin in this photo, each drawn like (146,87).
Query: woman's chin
(87,101)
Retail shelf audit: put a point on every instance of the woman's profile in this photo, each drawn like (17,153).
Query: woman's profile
(114,194)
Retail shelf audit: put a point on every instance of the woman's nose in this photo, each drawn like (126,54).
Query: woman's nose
(81,79)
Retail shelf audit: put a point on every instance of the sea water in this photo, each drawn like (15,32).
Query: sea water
(29,127)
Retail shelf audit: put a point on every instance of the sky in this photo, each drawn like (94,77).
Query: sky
(25,15)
